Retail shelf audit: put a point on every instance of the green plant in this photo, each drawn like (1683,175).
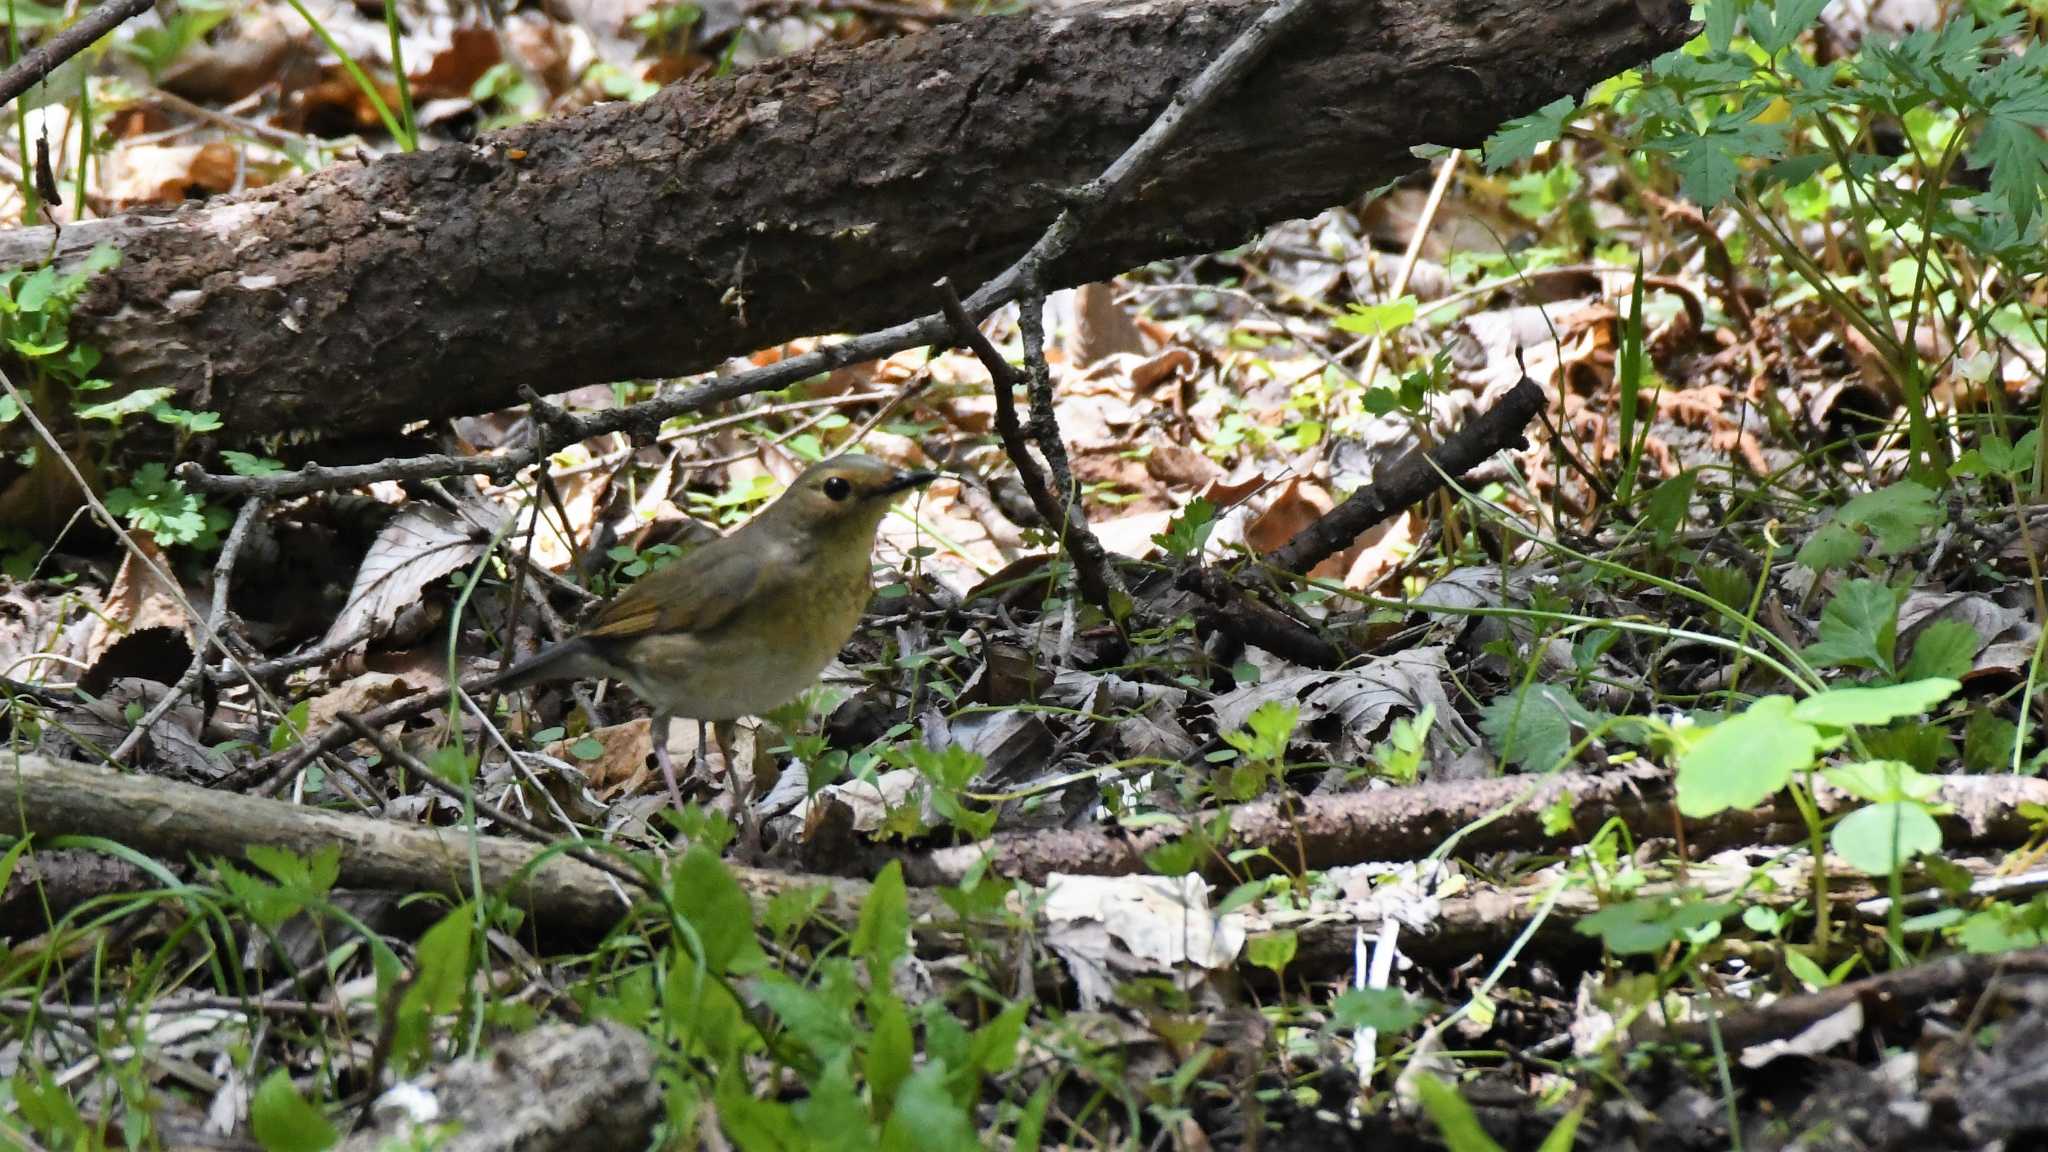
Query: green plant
(1942,229)
(59,373)
(157,47)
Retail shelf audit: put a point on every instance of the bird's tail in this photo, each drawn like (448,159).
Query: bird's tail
(572,659)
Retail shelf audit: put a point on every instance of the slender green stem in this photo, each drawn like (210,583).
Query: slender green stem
(397,130)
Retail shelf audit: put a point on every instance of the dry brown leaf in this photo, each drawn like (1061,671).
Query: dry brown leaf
(1347,711)
(1298,504)
(358,695)
(582,497)
(137,600)
(138,174)
(469,53)
(623,753)
(1380,550)
(421,544)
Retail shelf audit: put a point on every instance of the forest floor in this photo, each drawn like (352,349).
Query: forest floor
(1671,776)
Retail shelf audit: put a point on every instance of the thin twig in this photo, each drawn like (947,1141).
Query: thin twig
(1187,105)
(319,653)
(1004,379)
(320,478)
(1412,479)
(1092,569)
(533,832)
(39,62)
(216,617)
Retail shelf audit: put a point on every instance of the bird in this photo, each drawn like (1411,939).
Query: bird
(744,623)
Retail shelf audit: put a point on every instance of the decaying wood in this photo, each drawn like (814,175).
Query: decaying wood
(817,193)
(1886,995)
(569,902)
(556,1088)
(1309,832)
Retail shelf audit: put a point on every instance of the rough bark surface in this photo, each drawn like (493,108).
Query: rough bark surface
(818,193)
(557,1088)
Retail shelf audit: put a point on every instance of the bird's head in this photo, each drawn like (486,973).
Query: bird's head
(842,498)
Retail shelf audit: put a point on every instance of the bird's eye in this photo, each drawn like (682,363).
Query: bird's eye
(836,488)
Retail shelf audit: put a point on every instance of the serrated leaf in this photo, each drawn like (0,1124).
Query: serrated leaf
(1534,728)
(1858,628)
(1895,514)
(1519,138)
(1835,545)
(1944,649)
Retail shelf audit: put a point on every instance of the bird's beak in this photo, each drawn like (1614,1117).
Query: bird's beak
(905,481)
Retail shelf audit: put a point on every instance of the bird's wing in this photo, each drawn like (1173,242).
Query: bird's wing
(695,594)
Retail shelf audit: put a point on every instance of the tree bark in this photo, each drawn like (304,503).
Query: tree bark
(823,192)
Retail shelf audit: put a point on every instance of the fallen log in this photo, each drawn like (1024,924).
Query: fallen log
(817,193)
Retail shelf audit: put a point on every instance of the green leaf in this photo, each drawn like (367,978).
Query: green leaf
(1377,319)
(1455,1121)
(122,407)
(1878,839)
(2004,927)
(1883,781)
(1665,510)
(11,860)
(1745,759)
(1641,927)
(37,290)
(817,1021)
(1535,727)
(1518,139)
(1707,170)
(1775,26)
(1859,627)
(1835,545)
(1988,741)
(1945,649)
(1895,515)
(1805,971)
(282,1120)
(1388,1011)
(882,936)
(444,963)
(705,894)
(1273,951)
(926,1118)
(2010,145)
(1847,707)
(891,1050)
(1565,1133)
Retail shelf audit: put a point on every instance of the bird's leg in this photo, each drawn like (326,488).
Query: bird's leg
(668,768)
(703,773)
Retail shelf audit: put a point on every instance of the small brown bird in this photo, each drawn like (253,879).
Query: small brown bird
(742,624)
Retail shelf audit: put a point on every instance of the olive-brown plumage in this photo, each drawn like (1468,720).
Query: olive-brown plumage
(742,624)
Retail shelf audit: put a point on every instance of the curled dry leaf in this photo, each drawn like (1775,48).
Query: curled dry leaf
(359,695)
(421,544)
(614,758)
(137,600)
(1105,927)
(139,174)
(1348,711)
